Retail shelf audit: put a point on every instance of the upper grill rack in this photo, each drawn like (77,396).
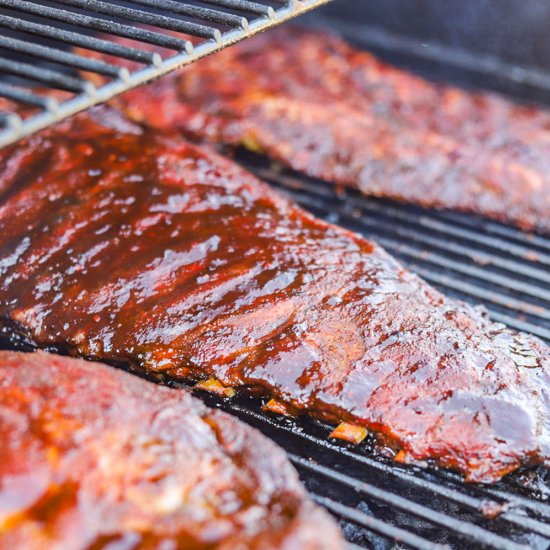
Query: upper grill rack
(36,36)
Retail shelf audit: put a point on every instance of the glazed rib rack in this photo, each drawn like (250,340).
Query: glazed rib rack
(36,36)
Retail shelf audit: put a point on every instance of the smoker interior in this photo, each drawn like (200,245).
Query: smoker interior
(380,504)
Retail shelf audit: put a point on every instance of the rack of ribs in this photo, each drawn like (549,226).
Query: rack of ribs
(95,457)
(310,101)
(138,249)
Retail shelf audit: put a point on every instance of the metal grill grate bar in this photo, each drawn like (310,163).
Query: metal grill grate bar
(9,119)
(97,24)
(77,39)
(52,78)
(414,253)
(464,528)
(541,294)
(138,16)
(493,228)
(424,512)
(206,14)
(244,6)
(376,525)
(27,97)
(59,56)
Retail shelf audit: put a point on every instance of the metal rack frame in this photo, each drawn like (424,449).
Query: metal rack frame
(222,24)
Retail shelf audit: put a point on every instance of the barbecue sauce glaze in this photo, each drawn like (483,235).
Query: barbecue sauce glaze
(120,245)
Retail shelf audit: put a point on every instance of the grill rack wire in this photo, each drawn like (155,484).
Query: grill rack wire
(35,37)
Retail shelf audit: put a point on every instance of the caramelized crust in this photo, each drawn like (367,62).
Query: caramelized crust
(150,253)
(93,457)
(309,100)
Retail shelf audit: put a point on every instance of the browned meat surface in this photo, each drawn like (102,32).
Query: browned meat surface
(316,104)
(93,457)
(149,252)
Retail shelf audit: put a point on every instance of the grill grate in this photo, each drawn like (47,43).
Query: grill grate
(35,37)
(380,503)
